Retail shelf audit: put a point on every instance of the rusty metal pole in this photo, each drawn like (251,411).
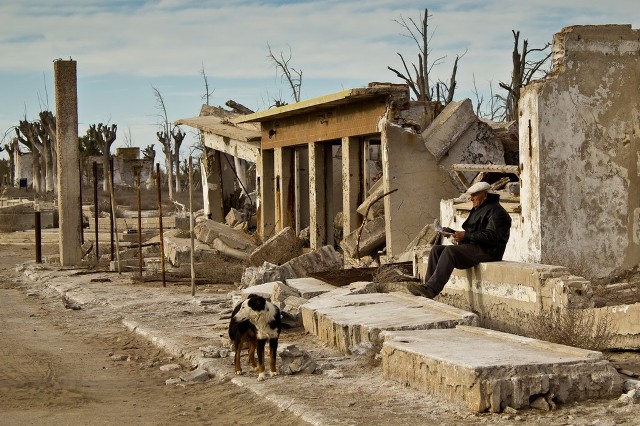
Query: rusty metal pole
(158,184)
(96,213)
(109,174)
(193,271)
(113,214)
(139,225)
(37,225)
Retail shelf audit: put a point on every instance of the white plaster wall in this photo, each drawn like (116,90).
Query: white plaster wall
(583,147)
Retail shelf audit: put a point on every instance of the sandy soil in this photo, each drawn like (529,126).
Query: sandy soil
(56,368)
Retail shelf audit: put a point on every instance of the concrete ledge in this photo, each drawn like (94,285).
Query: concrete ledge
(347,320)
(486,370)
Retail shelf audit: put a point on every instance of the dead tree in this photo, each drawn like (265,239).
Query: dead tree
(104,136)
(424,88)
(11,149)
(164,137)
(48,122)
(178,136)
(292,75)
(28,136)
(524,70)
(165,140)
(149,153)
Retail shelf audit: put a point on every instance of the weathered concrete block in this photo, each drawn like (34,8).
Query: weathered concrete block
(309,287)
(486,370)
(454,120)
(234,217)
(323,259)
(346,320)
(207,231)
(281,292)
(280,248)
(265,290)
(178,250)
(371,236)
(221,246)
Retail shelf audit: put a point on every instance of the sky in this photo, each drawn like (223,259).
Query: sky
(126,48)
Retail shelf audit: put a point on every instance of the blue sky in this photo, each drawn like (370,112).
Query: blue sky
(125,47)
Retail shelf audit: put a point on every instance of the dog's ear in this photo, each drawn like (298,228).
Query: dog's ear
(257,303)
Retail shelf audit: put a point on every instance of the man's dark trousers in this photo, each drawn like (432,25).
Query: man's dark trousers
(443,259)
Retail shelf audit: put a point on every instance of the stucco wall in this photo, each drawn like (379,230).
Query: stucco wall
(580,151)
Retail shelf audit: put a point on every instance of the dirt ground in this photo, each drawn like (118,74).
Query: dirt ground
(57,369)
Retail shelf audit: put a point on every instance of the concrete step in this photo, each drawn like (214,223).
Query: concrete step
(344,320)
(487,370)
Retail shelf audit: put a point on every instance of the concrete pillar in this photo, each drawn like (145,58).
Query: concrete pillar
(352,185)
(284,171)
(70,204)
(213,188)
(317,195)
(267,211)
(297,191)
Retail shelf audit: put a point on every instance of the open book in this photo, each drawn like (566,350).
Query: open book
(444,231)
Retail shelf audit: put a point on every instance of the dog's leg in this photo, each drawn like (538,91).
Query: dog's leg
(239,343)
(261,345)
(273,350)
(252,353)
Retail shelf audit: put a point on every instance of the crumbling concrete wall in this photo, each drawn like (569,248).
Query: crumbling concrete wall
(420,184)
(580,153)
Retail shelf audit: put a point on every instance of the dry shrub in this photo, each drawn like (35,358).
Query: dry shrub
(574,327)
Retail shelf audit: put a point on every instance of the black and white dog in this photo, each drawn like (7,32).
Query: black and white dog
(255,321)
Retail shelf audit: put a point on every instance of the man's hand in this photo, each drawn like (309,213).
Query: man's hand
(458,236)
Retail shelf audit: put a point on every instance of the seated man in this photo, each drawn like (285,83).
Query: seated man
(483,239)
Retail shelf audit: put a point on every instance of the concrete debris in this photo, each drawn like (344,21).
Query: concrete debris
(365,240)
(170,367)
(323,259)
(265,290)
(290,309)
(630,398)
(295,361)
(234,217)
(280,248)
(457,135)
(207,231)
(222,247)
(281,292)
(308,287)
(121,357)
(305,236)
(173,381)
(197,375)
(178,250)
(631,384)
(214,352)
(482,381)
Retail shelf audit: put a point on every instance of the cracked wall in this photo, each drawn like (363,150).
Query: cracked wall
(579,151)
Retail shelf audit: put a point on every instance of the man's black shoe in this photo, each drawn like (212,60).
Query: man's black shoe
(421,290)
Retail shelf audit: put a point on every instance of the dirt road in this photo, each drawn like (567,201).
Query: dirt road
(56,368)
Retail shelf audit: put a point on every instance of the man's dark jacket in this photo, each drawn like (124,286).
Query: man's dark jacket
(488,226)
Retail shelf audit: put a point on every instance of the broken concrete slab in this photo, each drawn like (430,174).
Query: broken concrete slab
(323,259)
(486,370)
(363,241)
(347,320)
(280,248)
(222,247)
(265,290)
(309,287)
(208,230)
(178,250)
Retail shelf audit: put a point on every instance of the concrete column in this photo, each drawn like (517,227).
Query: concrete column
(267,210)
(317,195)
(284,170)
(70,204)
(297,191)
(213,188)
(351,183)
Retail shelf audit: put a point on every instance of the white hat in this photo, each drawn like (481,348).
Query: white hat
(478,187)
